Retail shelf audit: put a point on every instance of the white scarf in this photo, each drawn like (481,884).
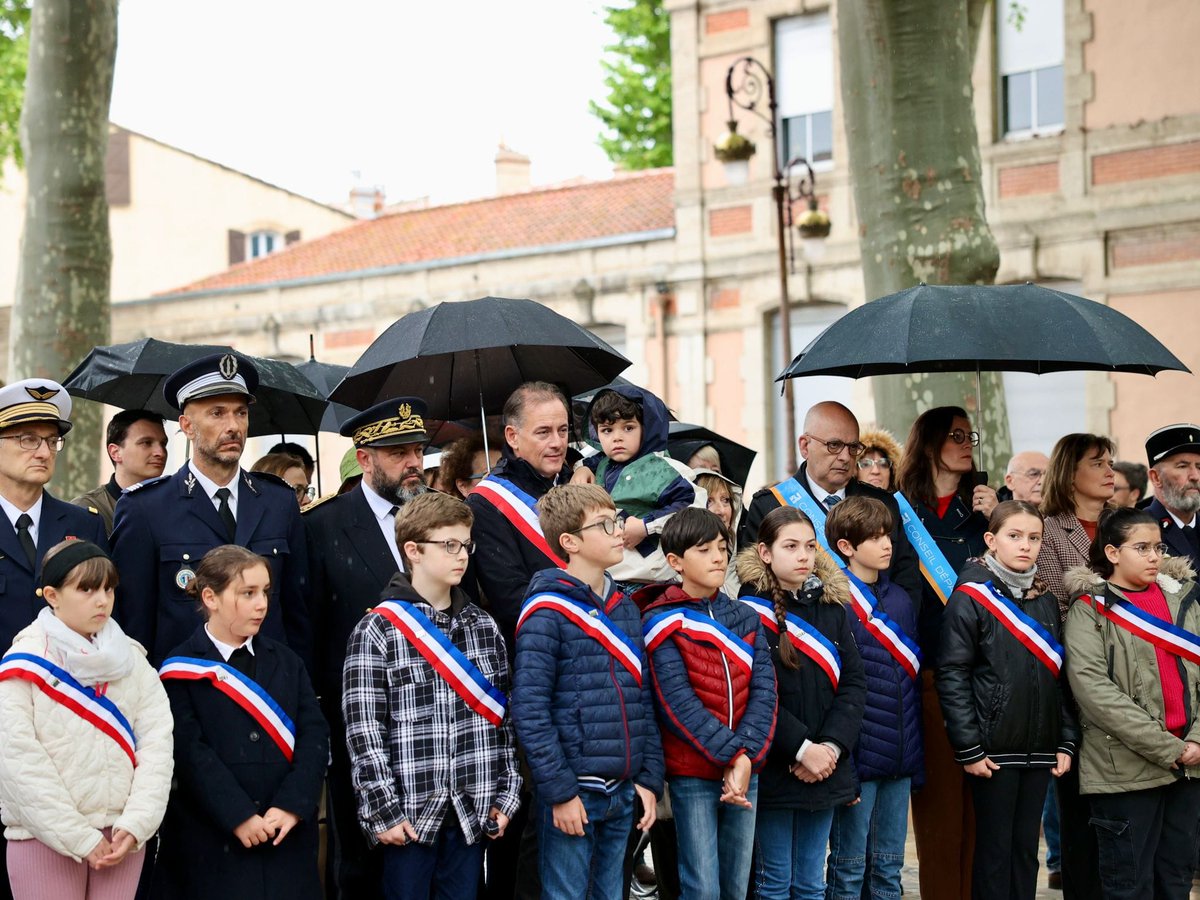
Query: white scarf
(108,656)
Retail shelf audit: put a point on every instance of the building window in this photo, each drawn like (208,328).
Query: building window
(804,89)
(1030,39)
(260,243)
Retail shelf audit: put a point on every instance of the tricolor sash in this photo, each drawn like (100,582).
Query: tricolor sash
(882,627)
(804,637)
(937,571)
(58,684)
(447,660)
(242,690)
(594,623)
(701,628)
(521,511)
(791,493)
(1030,632)
(1159,632)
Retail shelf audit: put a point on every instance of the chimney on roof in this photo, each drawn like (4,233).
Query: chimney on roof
(512,171)
(366,202)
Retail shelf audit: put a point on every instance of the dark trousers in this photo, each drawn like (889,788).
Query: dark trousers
(356,869)
(446,870)
(1147,841)
(503,858)
(1008,816)
(1077,841)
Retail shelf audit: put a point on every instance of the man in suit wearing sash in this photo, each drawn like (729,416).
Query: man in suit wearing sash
(34,419)
(830,448)
(1174,456)
(352,545)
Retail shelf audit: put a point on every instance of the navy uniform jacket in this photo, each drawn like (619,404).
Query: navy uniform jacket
(19,605)
(227,770)
(1172,534)
(163,528)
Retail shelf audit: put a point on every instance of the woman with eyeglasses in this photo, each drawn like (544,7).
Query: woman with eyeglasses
(879,459)
(1133,643)
(938,477)
(291,470)
(464,464)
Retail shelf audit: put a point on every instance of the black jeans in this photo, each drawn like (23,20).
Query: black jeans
(1077,840)
(1008,816)
(1147,841)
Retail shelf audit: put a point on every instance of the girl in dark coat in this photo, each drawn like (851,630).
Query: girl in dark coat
(1001,690)
(800,593)
(250,749)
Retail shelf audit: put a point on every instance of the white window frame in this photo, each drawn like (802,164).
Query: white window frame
(804,79)
(1036,45)
(275,237)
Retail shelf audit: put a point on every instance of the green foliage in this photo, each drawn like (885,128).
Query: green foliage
(637,114)
(14,55)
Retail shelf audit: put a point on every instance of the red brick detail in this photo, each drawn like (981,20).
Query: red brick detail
(354,337)
(1150,251)
(729,20)
(726,298)
(730,220)
(1150,162)
(1022,181)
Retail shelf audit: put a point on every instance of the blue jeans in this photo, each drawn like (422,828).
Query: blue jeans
(591,866)
(878,827)
(791,853)
(716,840)
(1050,829)
(446,870)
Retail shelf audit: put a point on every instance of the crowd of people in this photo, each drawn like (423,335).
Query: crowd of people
(513,683)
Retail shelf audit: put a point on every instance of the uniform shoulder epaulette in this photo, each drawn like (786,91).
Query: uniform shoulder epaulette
(149,482)
(92,510)
(318,502)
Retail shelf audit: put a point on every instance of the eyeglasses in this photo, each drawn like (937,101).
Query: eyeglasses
(961,437)
(1143,549)
(835,447)
(610,525)
(452,546)
(872,463)
(1031,474)
(304,491)
(30,442)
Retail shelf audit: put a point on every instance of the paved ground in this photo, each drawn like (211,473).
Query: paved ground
(912,886)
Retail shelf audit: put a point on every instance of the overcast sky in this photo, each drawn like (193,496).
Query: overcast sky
(415,96)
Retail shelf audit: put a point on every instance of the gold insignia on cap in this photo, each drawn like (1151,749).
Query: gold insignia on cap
(40,393)
(405,423)
(405,410)
(228,366)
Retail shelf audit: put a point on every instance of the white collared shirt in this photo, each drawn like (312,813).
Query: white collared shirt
(820,493)
(210,488)
(225,649)
(1179,521)
(382,510)
(34,512)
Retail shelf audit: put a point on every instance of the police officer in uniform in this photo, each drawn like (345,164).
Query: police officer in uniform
(352,545)
(162,528)
(34,419)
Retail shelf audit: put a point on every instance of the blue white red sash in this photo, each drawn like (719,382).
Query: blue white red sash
(701,628)
(594,623)
(242,690)
(521,511)
(882,627)
(1159,632)
(58,684)
(937,570)
(791,493)
(804,637)
(1030,632)
(447,660)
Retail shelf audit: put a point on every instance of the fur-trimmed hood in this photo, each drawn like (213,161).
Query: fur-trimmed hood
(1172,573)
(885,441)
(753,571)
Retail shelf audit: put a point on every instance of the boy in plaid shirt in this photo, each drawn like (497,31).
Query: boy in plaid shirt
(430,741)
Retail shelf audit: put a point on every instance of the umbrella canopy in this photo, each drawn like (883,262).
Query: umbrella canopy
(325,377)
(684,439)
(464,356)
(988,328)
(131,376)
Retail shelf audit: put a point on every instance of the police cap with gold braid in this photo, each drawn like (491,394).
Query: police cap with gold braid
(397,421)
(35,400)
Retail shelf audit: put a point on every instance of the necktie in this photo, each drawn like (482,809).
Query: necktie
(24,523)
(226,514)
(242,660)
(1189,532)
(392,512)
(831,501)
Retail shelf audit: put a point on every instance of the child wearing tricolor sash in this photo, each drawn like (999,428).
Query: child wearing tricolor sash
(582,702)
(867,840)
(799,594)
(714,690)
(1133,660)
(1002,695)
(425,687)
(251,747)
(85,740)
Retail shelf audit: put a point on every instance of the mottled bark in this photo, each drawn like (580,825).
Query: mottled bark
(62,307)
(908,105)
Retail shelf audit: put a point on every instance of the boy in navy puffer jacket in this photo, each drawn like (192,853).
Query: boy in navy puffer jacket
(582,703)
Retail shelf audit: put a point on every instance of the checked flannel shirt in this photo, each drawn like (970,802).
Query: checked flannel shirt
(417,751)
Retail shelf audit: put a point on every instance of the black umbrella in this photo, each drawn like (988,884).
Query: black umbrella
(131,376)
(325,377)
(684,439)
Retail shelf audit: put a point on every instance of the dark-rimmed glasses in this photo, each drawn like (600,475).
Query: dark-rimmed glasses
(961,437)
(303,491)
(30,442)
(610,526)
(452,546)
(835,446)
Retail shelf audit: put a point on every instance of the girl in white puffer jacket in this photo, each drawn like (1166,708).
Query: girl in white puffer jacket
(85,741)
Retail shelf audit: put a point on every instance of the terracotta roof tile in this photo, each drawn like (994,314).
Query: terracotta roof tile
(628,204)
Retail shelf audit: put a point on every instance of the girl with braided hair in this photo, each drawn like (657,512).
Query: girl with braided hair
(800,594)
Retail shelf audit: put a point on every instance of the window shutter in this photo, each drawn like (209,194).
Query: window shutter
(291,237)
(237,246)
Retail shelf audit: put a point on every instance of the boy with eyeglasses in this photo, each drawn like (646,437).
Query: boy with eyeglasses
(582,703)
(424,700)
